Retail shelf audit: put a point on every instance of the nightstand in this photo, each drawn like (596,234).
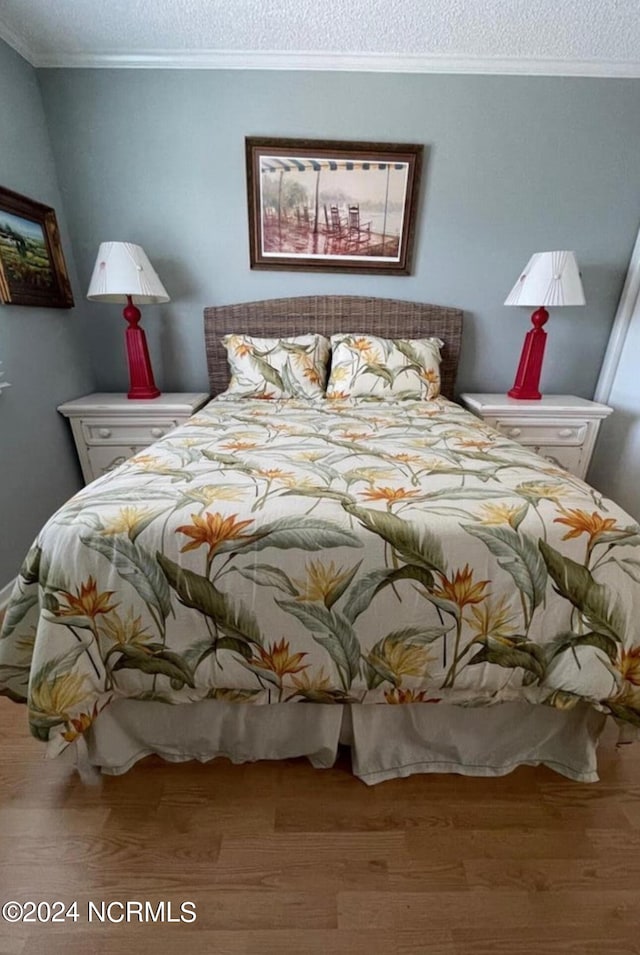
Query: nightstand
(109,428)
(562,428)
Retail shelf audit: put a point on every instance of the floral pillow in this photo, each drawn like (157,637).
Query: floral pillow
(365,365)
(276,367)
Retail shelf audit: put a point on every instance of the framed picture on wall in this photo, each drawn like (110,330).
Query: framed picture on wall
(32,266)
(325,206)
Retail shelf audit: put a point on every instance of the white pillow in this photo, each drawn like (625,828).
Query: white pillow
(364,364)
(276,367)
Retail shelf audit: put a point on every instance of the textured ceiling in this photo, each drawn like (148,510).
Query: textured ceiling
(572,36)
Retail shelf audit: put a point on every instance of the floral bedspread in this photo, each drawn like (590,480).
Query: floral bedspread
(327,551)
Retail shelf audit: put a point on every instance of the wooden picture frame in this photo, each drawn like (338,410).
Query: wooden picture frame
(32,267)
(332,206)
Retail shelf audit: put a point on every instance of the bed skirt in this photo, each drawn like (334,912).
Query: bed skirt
(386,741)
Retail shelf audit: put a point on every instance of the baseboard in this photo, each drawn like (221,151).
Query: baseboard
(5,593)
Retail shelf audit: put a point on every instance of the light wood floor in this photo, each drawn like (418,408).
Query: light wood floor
(282,858)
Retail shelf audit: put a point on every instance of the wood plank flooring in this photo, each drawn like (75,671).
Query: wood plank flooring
(281,858)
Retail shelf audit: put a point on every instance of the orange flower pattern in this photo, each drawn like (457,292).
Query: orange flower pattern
(579,522)
(212,530)
(461,589)
(86,602)
(240,445)
(270,368)
(366,365)
(325,552)
(279,659)
(390,494)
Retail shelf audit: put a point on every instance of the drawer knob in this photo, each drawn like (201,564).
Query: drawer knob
(157,432)
(565,432)
(104,432)
(514,432)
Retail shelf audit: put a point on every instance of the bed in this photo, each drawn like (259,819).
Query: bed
(441,598)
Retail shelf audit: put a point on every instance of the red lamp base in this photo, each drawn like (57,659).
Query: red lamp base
(141,380)
(526,385)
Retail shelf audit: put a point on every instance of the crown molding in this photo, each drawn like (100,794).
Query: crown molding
(17,43)
(347,62)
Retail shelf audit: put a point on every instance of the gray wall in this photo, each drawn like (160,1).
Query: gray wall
(38,347)
(515,165)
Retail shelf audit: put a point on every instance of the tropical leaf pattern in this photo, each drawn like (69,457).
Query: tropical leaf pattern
(277,367)
(327,551)
(367,365)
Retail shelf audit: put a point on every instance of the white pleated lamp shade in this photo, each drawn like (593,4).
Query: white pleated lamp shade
(549,278)
(123,269)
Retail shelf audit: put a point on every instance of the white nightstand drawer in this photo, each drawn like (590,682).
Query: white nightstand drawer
(140,432)
(563,456)
(103,459)
(562,428)
(110,428)
(551,432)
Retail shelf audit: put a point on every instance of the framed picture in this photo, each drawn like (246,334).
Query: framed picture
(32,266)
(324,206)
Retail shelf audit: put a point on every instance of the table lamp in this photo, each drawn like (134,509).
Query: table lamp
(123,273)
(549,278)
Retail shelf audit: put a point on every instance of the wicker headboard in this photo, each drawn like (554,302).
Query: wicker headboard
(328,315)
